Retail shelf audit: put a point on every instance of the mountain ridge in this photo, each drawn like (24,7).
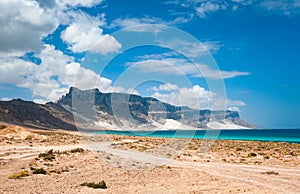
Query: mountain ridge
(94,110)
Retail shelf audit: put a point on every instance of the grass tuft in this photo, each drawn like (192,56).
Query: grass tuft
(77,150)
(3,126)
(100,185)
(39,171)
(252,154)
(47,156)
(271,173)
(18,175)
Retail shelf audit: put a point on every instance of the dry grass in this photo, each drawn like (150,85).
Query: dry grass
(18,175)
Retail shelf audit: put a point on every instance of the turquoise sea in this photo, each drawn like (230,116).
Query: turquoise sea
(276,135)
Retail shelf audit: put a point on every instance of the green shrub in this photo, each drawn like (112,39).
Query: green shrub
(39,171)
(252,154)
(3,126)
(47,156)
(79,150)
(271,172)
(18,175)
(100,185)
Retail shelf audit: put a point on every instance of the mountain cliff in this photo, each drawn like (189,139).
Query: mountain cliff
(92,109)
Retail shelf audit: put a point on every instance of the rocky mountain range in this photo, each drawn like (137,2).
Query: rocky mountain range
(94,110)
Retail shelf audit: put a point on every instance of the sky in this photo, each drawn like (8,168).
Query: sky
(239,55)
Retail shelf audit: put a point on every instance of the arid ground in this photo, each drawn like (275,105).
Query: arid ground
(39,161)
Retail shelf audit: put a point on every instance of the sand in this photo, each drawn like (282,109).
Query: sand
(144,165)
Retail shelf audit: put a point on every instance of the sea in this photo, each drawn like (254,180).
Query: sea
(269,135)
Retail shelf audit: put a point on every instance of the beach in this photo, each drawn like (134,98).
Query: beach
(130,164)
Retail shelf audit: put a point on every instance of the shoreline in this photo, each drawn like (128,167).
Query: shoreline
(227,134)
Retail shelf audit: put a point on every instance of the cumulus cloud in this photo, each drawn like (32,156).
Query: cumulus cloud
(23,25)
(177,66)
(57,72)
(165,87)
(195,97)
(85,34)
(13,70)
(52,78)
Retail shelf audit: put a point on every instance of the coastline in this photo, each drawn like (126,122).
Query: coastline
(263,135)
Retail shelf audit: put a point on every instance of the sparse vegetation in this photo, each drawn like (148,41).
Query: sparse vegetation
(47,156)
(142,149)
(18,175)
(48,164)
(67,152)
(32,164)
(271,173)
(77,150)
(39,171)
(252,154)
(3,126)
(100,185)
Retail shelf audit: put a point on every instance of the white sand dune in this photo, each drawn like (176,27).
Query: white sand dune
(225,125)
(173,124)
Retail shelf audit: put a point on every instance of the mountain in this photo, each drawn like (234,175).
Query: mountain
(30,114)
(92,109)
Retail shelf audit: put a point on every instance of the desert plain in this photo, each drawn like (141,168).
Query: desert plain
(57,161)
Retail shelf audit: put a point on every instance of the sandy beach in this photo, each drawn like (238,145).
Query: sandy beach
(142,164)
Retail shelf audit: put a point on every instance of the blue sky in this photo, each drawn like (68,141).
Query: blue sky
(234,54)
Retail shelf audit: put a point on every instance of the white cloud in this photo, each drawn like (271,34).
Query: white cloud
(195,97)
(231,103)
(177,66)
(286,7)
(204,7)
(139,24)
(85,34)
(207,72)
(13,70)
(165,87)
(208,7)
(57,72)
(6,99)
(78,3)
(148,24)
(118,89)
(192,49)
(23,24)
(40,101)
(53,77)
